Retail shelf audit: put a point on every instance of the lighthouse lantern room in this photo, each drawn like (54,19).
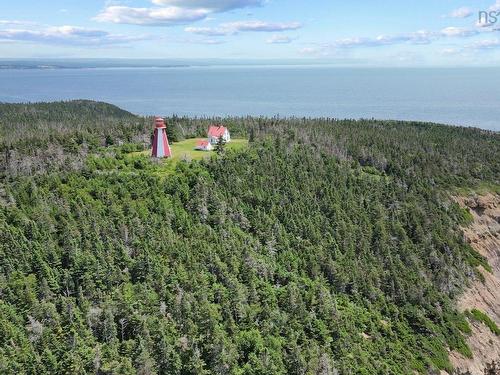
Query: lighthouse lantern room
(161,148)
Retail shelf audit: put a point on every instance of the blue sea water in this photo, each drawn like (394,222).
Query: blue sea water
(458,96)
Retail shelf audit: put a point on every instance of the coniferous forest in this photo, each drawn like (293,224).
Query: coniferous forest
(325,247)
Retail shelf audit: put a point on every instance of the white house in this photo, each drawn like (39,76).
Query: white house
(216,131)
(203,145)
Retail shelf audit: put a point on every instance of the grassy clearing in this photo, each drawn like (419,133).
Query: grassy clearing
(184,150)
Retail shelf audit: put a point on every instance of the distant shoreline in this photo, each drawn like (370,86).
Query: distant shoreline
(116,63)
(59,67)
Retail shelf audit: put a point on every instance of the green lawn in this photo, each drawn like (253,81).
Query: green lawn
(184,150)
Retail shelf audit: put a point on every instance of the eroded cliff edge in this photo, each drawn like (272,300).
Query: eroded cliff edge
(484,236)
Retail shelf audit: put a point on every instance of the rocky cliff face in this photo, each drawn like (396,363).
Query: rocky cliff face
(484,236)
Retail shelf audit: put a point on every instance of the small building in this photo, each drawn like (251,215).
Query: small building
(217,131)
(203,145)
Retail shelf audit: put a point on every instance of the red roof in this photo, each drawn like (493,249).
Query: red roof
(159,122)
(216,131)
(202,143)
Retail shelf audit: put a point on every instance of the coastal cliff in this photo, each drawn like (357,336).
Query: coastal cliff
(483,234)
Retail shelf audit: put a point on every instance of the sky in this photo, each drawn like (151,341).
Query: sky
(355,32)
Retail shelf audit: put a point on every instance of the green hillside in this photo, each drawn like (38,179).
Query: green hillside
(325,246)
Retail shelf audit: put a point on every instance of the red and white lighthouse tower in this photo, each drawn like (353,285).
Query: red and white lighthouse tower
(161,148)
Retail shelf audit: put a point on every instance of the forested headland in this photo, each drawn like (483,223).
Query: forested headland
(326,247)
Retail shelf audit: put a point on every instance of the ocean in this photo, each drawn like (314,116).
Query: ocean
(457,96)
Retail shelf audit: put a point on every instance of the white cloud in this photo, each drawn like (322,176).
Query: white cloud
(209,31)
(170,12)
(151,16)
(16,23)
(206,41)
(213,5)
(458,32)
(211,41)
(73,31)
(231,28)
(495,7)
(262,26)
(485,44)
(417,38)
(66,35)
(279,39)
(462,12)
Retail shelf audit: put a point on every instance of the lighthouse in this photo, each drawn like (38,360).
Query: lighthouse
(161,148)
